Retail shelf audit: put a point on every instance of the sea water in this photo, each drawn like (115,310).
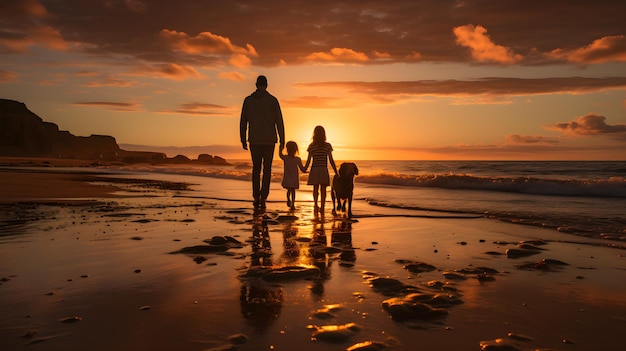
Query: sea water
(575,197)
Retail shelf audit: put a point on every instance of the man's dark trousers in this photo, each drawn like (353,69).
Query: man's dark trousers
(262,157)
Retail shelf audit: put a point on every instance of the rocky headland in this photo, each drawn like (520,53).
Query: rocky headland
(24,134)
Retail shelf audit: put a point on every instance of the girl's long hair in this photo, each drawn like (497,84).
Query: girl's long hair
(319,135)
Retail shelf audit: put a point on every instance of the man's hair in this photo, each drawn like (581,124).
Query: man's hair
(261,81)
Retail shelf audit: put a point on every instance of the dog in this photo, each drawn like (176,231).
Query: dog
(342,187)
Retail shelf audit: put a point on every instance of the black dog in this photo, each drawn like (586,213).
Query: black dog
(343,187)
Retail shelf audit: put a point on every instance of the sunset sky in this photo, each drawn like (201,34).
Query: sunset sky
(402,79)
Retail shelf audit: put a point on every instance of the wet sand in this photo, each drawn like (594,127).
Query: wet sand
(134,266)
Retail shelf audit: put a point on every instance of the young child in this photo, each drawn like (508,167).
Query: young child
(320,152)
(291,177)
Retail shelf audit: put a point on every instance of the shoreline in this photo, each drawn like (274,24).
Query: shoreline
(145,270)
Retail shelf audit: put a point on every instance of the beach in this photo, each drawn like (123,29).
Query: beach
(96,260)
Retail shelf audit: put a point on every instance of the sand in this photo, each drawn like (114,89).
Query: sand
(105,266)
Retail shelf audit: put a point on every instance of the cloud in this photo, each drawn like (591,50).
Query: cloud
(606,49)
(413,56)
(174,71)
(529,139)
(481,46)
(23,25)
(168,70)
(486,87)
(41,35)
(87,74)
(7,76)
(321,102)
(110,82)
(24,8)
(239,60)
(136,6)
(114,106)
(589,125)
(381,55)
(200,109)
(297,29)
(234,76)
(204,43)
(337,55)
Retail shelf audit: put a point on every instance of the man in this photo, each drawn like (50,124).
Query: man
(261,120)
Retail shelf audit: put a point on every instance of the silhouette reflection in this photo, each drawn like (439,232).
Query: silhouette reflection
(320,257)
(261,302)
(342,238)
(291,249)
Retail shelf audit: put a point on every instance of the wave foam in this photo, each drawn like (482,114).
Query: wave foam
(611,187)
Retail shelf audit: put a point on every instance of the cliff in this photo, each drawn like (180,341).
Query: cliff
(23,133)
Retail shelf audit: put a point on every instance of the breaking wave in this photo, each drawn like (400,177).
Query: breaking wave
(611,187)
(614,186)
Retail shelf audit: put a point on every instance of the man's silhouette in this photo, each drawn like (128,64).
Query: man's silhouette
(262,121)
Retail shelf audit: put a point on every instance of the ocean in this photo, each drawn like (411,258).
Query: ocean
(586,198)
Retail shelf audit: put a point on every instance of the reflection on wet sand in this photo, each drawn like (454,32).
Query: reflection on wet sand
(261,301)
(308,252)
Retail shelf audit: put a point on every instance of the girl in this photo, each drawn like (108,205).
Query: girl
(320,152)
(291,178)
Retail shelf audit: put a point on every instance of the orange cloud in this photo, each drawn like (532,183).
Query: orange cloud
(590,124)
(381,55)
(201,109)
(170,71)
(234,76)
(481,46)
(205,43)
(606,49)
(110,82)
(414,56)
(484,86)
(177,72)
(87,74)
(136,6)
(338,55)
(239,60)
(322,102)
(33,8)
(7,76)
(529,139)
(41,35)
(115,106)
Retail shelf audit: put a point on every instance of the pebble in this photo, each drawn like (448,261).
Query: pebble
(497,345)
(71,319)
(452,275)
(333,333)
(517,253)
(367,346)
(419,267)
(405,309)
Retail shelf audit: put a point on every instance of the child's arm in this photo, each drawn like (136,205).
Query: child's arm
(282,156)
(308,160)
(332,161)
(302,168)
